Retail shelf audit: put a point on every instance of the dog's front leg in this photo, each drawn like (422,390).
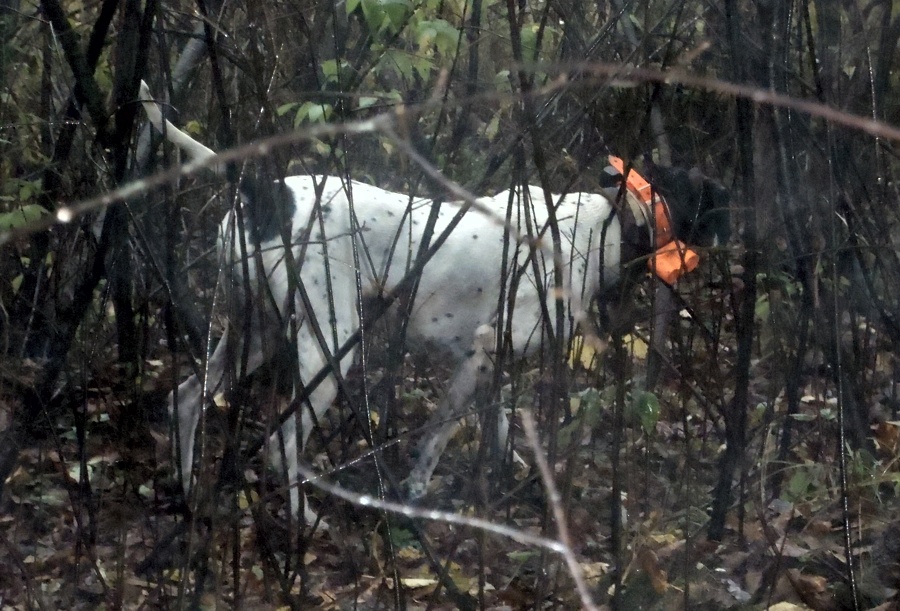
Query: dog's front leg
(284,451)
(186,405)
(286,443)
(471,376)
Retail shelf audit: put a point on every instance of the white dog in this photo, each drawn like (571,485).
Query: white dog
(351,242)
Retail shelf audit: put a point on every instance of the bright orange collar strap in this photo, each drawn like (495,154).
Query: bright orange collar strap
(672,258)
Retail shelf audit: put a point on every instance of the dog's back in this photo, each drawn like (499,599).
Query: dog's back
(339,227)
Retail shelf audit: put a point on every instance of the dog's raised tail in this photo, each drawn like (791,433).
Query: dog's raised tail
(194,150)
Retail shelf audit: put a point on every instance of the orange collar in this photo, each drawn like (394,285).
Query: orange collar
(672,258)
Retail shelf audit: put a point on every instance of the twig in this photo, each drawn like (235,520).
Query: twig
(562,524)
(411,511)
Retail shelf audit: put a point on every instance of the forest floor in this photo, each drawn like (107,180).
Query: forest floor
(91,518)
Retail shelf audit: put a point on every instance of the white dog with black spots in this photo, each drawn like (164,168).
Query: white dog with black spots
(352,243)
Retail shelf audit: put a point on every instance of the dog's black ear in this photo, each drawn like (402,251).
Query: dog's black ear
(267,205)
(698,204)
(609,178)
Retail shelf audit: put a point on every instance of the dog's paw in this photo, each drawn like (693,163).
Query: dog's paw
(311,518)
(414,489)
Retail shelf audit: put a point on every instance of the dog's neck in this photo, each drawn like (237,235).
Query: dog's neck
(635,220)
(651,227)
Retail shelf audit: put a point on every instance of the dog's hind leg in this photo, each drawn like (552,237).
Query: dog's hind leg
(472,376)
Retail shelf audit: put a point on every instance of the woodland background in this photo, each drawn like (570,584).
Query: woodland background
(759,471)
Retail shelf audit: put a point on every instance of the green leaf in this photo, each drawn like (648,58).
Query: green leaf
(588,408)
(645,410)
(492,128)
(529,42)
(13,189)
(367,101)
(324,149)
(521,556)
(762,308)
(422,66)
(330,69)
(398,62)
(318,113)
(439,33)
(372,14)
(286,108)
(386,15)
(312,112)
(591,405)
(803,417)
(397,12)
(25,215)
(336,71)
(799,485)
(401,537)
(193,127)
(501,82)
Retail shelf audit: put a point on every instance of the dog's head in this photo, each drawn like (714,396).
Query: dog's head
(698,205)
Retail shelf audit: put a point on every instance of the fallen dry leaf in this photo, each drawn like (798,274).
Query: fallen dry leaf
(649,562)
